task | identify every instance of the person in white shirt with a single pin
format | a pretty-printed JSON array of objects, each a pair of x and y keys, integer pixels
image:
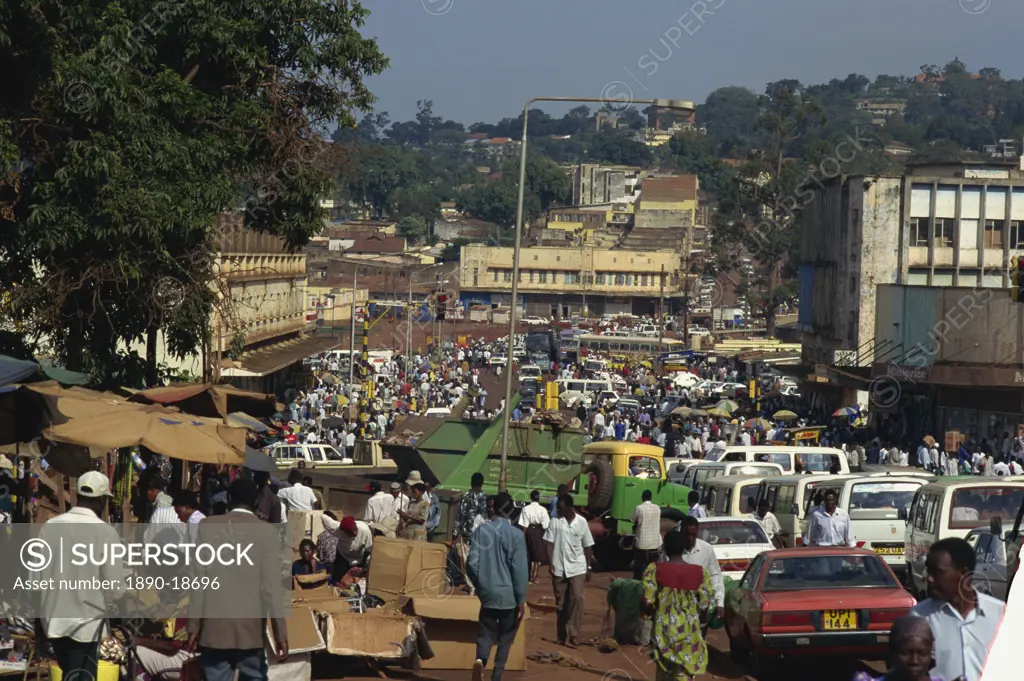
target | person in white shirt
[
  {"x": 964, "y": 622},
  {"x": 571, "y": 556},
  {"x": 923, "y": 457},
  {"x": 745, "y": 438},
  {"x": 355, "y": 541},
  {"x": 829, "y": 525},
  {"x": 1016, "y": 468},
  {"x": 380, "y": 513},
  {"x": 401, "y": 500},
  {"x": 298, "y": 497},
  {"x": 769, "y": 522},
  {"x": 534, "y": 519},
  {"x": 76, "y": 640},
  {"x": 647, "y": 530},
  {"x": 696, "y": 510},
  {"x": 770, "y": 435},
  {"x": 350, "y": 442},
  {"x": 904, "y": 457},
  {"x": 1000, "y": 467},
  {"x": 699, "y": 552},
  {"x": 163, "y": 518}
]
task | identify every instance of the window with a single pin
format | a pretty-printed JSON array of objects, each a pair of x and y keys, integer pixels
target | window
[
  {"x": 600, "y": 279},
  {"x": 636, "y": 280},
  {"x": 1016, "y": 235},
  {"x": 476, "y": 276},
  {"x": 973, "y": 506},
  {"x": 531, "y": 276},
  {"x": 558, "y": 258},
  {"x": 508, "y": 275},
  {"x": 567, "y": 278},
  {"x": 543, "y": 277},
  {"x": 942, "y": 233},
  {"x": 784, "y": 499},
  {"x": 881, "y": 500},
  {"x": 620, "y": 279},
  {"x": 918, "y": 232},
  {"x": 495, "y": 275},
  {"x": 643, "y": 280},
  {"x": 995, "y": 233}
]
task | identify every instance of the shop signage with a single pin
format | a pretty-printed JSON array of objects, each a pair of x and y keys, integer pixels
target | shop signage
[{"x": 906, "y": 373}]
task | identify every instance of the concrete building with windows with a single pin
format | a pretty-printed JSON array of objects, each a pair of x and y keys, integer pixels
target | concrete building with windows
[
  {"x": 939, "y": 225},
  {"x": 563, "y": 281}
]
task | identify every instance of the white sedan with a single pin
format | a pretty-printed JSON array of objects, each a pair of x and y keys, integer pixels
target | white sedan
[{"x": 736, "y": 541}]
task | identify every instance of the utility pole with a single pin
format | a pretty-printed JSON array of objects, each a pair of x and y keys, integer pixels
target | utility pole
[
  {"x": 661, "y": 313},
  {"x": 408, "y": 328},
  {"x": 352, "y": 329}
]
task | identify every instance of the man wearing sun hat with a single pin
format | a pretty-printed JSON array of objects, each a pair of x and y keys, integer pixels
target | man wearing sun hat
[{"x": 77, "y": 626}]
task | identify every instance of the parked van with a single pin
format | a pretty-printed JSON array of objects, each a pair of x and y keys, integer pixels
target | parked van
[
  {"x": 310, "y": 455},
  {"x": 732, "y": 495},
  {"x": 878, "y": 506},
  {"x": 953, "y": 508},
  {"x": 791, "y": 498},
  {"x": 596, "y": 366},
  {"x": 696, "y": 477},
  {"x": 816, "y": 460}
]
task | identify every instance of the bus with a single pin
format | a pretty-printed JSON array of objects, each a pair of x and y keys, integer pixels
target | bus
[
  {"x": 542, "y": 348},
  {"x": 631, "y": 346}
]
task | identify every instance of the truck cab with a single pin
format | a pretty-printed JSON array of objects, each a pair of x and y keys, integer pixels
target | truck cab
[{"x": 619, "y": 472}]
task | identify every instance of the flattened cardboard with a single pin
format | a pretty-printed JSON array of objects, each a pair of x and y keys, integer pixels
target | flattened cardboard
[
  {"x": 303, "y": 633},
  {"x": 450, "y": 623},
  {"x": 402, "y": 567},
  {"x": 372, "y": 633}
]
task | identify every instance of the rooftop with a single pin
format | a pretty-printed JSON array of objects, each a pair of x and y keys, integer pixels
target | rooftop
[{"x": 669, "y": 189}]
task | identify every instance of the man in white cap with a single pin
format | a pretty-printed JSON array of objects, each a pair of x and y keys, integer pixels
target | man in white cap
[{"x": 76, "y": 618}]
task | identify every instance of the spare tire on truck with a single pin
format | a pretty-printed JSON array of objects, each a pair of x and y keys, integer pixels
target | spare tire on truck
[{"x": 601, "y": 486}]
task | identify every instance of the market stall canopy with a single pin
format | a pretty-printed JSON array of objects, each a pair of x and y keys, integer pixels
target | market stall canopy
[
  {"x": 240, "y": 418},
  {"x": 75, "y": 412},
  {"x": 14, "y": 370},
  {"x": 203, "y": 399},
  {"x": 172, "y": 434},
  {"x": 23, "y": 414}
]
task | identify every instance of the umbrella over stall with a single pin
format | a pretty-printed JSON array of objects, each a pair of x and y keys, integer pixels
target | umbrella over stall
[{"x": 209, "y": 400}]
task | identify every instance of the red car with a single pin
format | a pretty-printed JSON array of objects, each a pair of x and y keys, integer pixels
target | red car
[{"x": 814, "y": 602}]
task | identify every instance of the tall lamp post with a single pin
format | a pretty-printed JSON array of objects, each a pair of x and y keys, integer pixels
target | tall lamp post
[{"x": 669, "y": 104}]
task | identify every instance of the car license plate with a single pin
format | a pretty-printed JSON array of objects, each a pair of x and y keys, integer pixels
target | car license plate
[
  {"x": 840, "y": 620},
  {"x": 888, "y": 550}
]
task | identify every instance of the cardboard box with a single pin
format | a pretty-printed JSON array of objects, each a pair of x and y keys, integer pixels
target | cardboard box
[
  {"x": 373, "y": 633},
  {"x": 303, "y": 633},
  {"x": 450, "y": 623},
  {"x": 402, "y": 567}
]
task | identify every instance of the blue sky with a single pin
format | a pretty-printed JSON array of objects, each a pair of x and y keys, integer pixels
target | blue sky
[{"x": 480, "y": 60}]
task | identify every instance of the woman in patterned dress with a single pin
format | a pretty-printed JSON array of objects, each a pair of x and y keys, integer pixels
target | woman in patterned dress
[{"x": 676, "y": 594}]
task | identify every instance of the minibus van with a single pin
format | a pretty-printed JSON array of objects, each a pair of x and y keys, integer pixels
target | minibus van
[
  {"x": 695, "y": 477},
  {"x": 732, "y": 495},
  {"x": 791, "y": 498},
  {"x": 816, "y": 460},
  {"x": 952, "y": 508}
]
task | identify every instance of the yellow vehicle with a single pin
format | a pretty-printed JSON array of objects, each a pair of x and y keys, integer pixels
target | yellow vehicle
[{"x": 617, "y": 362}]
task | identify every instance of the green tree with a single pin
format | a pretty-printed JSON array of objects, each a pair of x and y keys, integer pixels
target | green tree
[
  {"x": 412, "y": 227},
  {"x": 127, "y": 128},
  {"x": 375, "y": 175},
  {"x": 730, "y": 116},
  {"x": 758, "y": 216}
]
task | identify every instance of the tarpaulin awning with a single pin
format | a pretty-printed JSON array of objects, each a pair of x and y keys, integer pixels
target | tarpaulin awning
[
  {"x": 105, "y": 420},
  {"x": 172, "y": 434},
  {"x": 62, "y": 375},
  {"x": 209, "y": 400},
  {"x": 245, "y": 421},
  {"x": 14, "y": 370},
  {"x": 272, "y": 359}
]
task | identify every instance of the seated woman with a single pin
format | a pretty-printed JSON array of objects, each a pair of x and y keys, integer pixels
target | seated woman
[{"x": 307, "y": 564}]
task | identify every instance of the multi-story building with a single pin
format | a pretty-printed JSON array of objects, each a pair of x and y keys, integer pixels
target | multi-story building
[
  {"x": 594, "y": 183},
  {"x": 667, "y": 202},
  {"x": 563, "y": 281},
  {"x": 940, "y": 225},
  {"x": 259, "y": 322}
]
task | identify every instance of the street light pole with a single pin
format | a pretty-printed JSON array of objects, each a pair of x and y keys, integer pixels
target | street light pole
[
  {"x": 352, "y": 329},
  {"x": 676, "y": 104}
]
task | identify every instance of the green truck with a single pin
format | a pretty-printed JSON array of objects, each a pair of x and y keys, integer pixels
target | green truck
[{"x": 606, "y": 479}]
